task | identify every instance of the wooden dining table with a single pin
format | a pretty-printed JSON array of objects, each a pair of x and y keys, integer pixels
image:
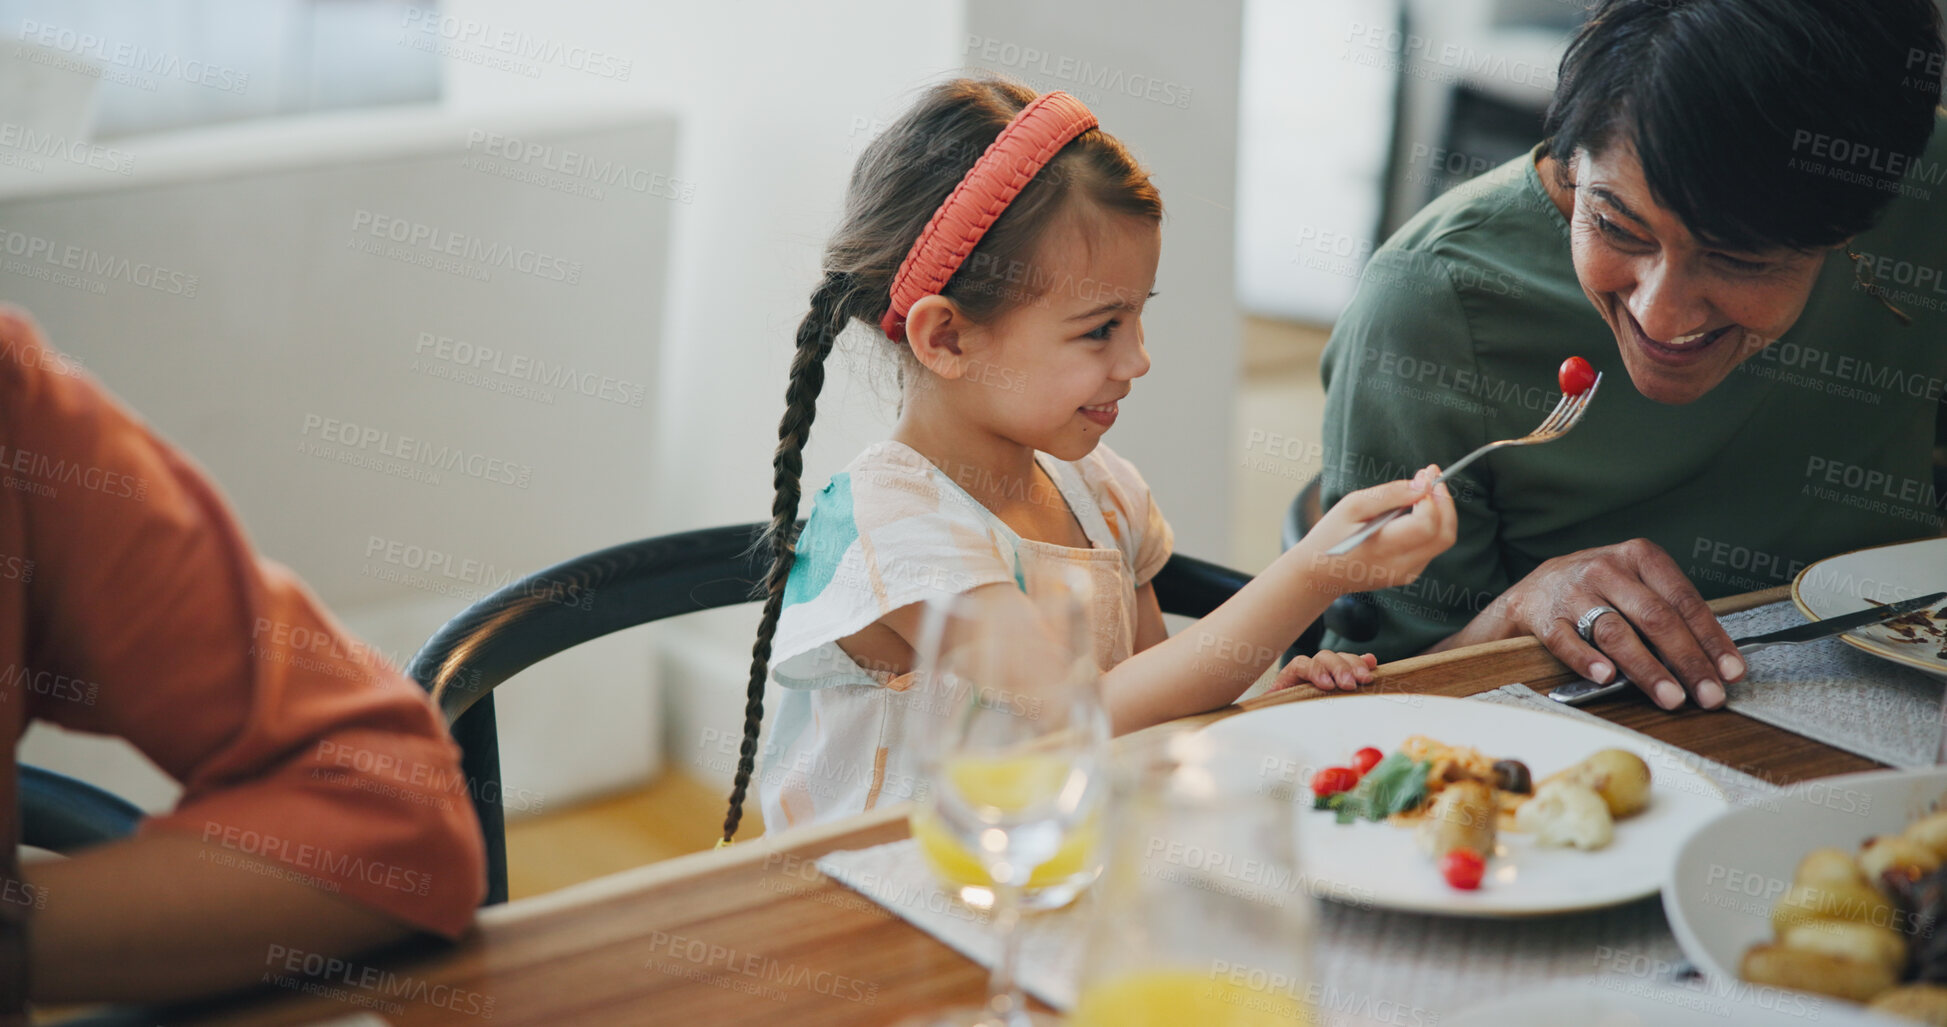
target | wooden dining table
[{"x": 755, "y": 934}]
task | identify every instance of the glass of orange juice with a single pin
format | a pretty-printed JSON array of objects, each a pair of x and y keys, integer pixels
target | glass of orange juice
[
  {"x": 1053, "y": 884},
  {"x": 1201, "y": 916},
  {"x": 1015, "y": 756}
]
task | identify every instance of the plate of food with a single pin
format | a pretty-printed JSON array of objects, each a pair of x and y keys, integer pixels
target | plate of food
[
  {"x": 1865, "y": 578},
  {"x": 1470, "y": 808},
  {"x": 1836, "y": 887}
]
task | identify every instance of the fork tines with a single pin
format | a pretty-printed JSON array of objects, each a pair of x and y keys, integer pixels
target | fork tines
[{"x": 1569, "y": 410}]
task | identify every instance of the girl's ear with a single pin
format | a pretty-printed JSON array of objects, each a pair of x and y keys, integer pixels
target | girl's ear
[{"x": 937, "y": 333}]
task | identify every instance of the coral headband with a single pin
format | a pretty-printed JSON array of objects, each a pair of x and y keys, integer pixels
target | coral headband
[{"x": 1022, "y": 149}]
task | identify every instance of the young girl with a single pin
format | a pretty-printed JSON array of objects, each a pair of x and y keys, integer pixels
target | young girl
[{"x": 1006, "y": 247}]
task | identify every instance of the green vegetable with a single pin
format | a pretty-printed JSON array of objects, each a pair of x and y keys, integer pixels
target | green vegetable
[{"x": 1394, "y": 785}]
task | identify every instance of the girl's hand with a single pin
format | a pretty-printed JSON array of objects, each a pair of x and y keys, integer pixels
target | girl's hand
[
  {"x": 1327, "y": 671},
  {"x": 1398, "y": 552}
]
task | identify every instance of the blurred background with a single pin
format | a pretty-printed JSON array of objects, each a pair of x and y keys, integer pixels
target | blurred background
[{"x": 572, "y": 242}]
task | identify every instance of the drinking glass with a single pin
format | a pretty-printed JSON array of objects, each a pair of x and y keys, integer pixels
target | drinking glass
[
  {"x": 1015, "y": 762},
  {"x": 1201, "y": 916}
]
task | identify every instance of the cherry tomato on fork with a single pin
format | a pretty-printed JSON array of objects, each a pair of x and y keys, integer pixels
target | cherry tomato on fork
[
  {"x": 1333, "y": 780},
  {"x": 1463, "y": 869},
  {"x": 1575, "y": 376},
  {"x": 1365, "y": 759}
]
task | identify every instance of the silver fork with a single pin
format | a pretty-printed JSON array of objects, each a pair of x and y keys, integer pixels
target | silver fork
[{"x": 1554, "y": 426}]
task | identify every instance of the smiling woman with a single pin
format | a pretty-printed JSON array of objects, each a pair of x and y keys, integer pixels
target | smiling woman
[
  {"x": 1736, "y": 208},
  {"x": 1698, "y": 230},
  {"x": 1684, "y": 312}
]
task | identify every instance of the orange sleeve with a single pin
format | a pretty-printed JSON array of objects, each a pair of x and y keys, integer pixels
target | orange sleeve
[{"x": 149, "y": 617}]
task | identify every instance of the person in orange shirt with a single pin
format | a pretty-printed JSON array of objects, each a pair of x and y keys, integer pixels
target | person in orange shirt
[{"x": 323, "y": 809}]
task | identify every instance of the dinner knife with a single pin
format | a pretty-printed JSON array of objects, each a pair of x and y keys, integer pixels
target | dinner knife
[{"x": 1575, "y": 693}]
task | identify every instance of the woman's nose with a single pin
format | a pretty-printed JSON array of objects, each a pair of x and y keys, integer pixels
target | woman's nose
[{"x": 1668, "y": 303}]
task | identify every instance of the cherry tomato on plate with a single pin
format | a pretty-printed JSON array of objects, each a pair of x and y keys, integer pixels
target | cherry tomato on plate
[
  {"x": 1575, "y": 376},
  {"x": 1365, "y": 759},
  {"x": 1463, "y": 869},
  {"x": 1333, "y": 780}
]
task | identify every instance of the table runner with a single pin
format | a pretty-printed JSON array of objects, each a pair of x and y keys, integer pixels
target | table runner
[
  {"x": 1814, "y": 689},
  {"x": 1371, "y": 966}
]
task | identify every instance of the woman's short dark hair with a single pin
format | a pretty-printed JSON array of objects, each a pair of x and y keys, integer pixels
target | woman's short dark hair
[{"x": 1759, "y": 123}]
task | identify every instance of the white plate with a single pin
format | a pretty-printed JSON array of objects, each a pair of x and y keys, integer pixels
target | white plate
[
  {"x": 1727, "y": 875},
  {"x": 1842, "y": 584},
  {"x": 1621, "y": 1001},
  {"x": 1370, "y": 864}
]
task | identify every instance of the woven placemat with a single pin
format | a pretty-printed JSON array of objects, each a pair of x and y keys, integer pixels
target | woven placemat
[
  {"x": 1830, "y": 692},
  {"x": 1370, "y": 966}
]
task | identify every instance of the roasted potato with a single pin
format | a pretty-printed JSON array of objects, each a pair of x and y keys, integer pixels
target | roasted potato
[
  {"x": 1806, "y": 970},
  {"x": 1857, "y": 903},
  {"x": 1461, "y": 817},
  {"x": 1619, "y": 776},
  {"x": 1930, "y": 831},
  {"x": 1898, "y": 854},
  {"x": 1829, "y": 867},
  {"x": 1924, "y": 1003},
  {"x": 1566, "y": 813},
  {"x": 1849, "y": 940},
  {"x": 1838, "y": 933}
]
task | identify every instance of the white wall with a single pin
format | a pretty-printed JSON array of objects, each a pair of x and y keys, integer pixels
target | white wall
[
  {"x": 775, "y": 100},
  {"x": 278, "y": 323},
  {"x": 1180, "y": 63},
  {"x": 1314, "y": 128}
]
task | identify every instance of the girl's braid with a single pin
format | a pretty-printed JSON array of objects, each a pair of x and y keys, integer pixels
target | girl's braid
[{"x": 816, "y": 334}]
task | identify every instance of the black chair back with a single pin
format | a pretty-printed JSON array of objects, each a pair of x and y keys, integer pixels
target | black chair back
[{"x": 65, "y": 815}]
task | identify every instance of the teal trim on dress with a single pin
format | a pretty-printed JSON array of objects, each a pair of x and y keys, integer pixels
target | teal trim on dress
[{"x": 827, "y": 536}]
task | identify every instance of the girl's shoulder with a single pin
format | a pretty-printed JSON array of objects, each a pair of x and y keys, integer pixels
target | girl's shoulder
[
  {"x": 889, "y": 530},
  {"x": 891, "y": 501},
  {"x": 890, "y": 481}
]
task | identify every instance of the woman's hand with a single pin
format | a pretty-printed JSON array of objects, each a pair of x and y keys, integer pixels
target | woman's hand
[
  {"x": 1327, "y": 671},
  {"x": 1656, "y": 608},
  {"x": 1393, "y": 556}
]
